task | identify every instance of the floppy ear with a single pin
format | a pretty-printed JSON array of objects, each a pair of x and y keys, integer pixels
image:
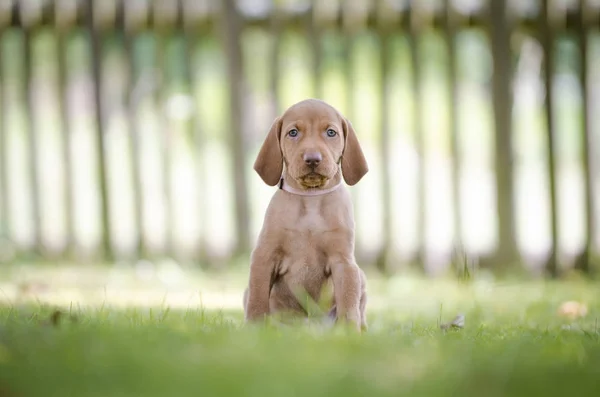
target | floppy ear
[
  {"x": 269, "y": 162},
  {"x": 354, "y": 164}
]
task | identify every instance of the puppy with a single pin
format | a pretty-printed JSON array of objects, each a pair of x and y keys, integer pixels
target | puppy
[{"x": 307, "y": 238}]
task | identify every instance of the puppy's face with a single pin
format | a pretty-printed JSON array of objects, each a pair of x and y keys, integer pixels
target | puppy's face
[{"x": 312, "y": 143}]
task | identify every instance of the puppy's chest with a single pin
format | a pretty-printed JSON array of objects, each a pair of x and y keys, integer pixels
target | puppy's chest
[
  {"x": 310, "y": 223},
  {"x": 311, "y": 239},
  {"x": 310, "y": 220}
]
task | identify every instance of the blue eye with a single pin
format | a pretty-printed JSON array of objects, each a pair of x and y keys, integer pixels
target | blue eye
[
  {"x": 293, "y": 133},
  {"x": 331, "y": 133}
]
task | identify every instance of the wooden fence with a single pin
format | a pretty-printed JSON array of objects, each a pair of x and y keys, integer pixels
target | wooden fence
[{"x": 128, "y": 128}]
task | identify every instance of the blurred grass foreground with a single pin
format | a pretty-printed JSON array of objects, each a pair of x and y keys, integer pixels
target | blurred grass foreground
[
  {"x": 112, "y": 332},
  {"x": 128, "y": 203}
]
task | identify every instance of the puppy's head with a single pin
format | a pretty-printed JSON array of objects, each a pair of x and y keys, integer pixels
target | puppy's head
[{"x": 314, "y": 142}]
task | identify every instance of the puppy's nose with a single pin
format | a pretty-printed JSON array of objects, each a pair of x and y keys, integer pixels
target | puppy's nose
[{"x": 312, "y": 159}]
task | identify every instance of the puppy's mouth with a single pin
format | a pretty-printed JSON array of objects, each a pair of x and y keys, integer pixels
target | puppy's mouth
[{"x": 313, "y": 180}]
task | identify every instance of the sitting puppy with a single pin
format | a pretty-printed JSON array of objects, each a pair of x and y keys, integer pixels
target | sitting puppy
[{"x": 307, "y": 238}]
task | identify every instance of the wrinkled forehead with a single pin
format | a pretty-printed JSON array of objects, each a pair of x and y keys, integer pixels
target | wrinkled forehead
[{"x": 307, "y": 114}]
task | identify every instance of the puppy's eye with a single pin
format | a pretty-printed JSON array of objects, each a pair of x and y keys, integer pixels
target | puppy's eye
[
  {"x": 331, "y": 133},
  {"x": 293, "y": 133}
]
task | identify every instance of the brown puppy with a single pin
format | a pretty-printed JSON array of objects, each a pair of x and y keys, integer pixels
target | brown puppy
[{"x": 307, "y": 237}]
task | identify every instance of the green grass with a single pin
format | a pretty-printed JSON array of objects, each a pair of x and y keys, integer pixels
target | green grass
[{"x": 513, "y": 344}]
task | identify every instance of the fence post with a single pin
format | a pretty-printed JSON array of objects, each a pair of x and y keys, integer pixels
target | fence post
[
  {"x": 502, "y": 102},
  {"x": 162, "y": 32},
  {"x": 419, "y": 131},
  {"x": 31, "y": 130},
  {"x": 547, "y": 40},
  {"x": 274, "y": 65},
  {"x": 100, "y": 129},
  {"x": 583, "y": 261},
  {"x": 185, "y": 15},
  {"x": 232, "y": 31},
  {"x": 450, "y": 36},
  {"x": 63, "y": 104},
  {"x": 385, "y": 89},
  {"x": 314, "y": 29},
  {"x": 4, "y": 194},
  {"x": 128, "y": 27}
]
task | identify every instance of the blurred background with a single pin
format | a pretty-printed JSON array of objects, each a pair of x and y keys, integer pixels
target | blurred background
[{"x": 128, "y": 128}]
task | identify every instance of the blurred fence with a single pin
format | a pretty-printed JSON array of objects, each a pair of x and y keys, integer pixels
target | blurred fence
[{"x": 129, "y": 128}]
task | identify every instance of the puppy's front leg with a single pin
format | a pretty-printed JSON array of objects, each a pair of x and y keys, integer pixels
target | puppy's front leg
[
  {"x": 347, "y": 291},
  {"x": 256, "y": 300}
]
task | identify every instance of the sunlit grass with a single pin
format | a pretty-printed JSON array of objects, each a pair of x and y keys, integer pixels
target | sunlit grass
[{"x": 513, "y": 343}]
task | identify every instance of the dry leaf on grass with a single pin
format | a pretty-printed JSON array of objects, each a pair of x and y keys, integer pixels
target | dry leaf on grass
[
  {"x": 572, "y": 310},
  {"x": 457, "y": 323}
]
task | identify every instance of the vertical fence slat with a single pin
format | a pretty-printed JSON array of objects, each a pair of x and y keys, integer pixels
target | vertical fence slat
[
  {"x": 453, "y": 100},
  {"x": 192, "y": 126},
  {"x": 194, "y": 34},
  {"x": 317, "y": 52},
  {"x": 547, "y": 40},
  {"x": 233, "y": 23},
  {"x": 583, "y": 261},
  {"x": 99, "y": 129},
  {"x": 385, "y": 148},
  {"x": 4, "y": 190},
  {"x": 349, "y": 43},
  {"x": 132, "y": 101},
  {"x": 31, "y": 131},
  {"x": 65, "y": 122},
  {"x": 274, "y": 65},
  {"x": 502, "y": 104},
  {"x": 161, "y": 34},
  {"x": 419, "y": 131}
]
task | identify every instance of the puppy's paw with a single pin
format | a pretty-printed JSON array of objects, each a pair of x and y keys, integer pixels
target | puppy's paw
[{"x": 350, "y": 320}]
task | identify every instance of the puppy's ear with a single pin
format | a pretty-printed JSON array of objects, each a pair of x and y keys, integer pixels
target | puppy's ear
[
  {"x": 269, "y": 162},
  {"x": 354, "y": 164}
]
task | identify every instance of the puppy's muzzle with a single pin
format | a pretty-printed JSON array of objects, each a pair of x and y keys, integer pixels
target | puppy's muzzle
[{"x": 312, "y": 159}]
